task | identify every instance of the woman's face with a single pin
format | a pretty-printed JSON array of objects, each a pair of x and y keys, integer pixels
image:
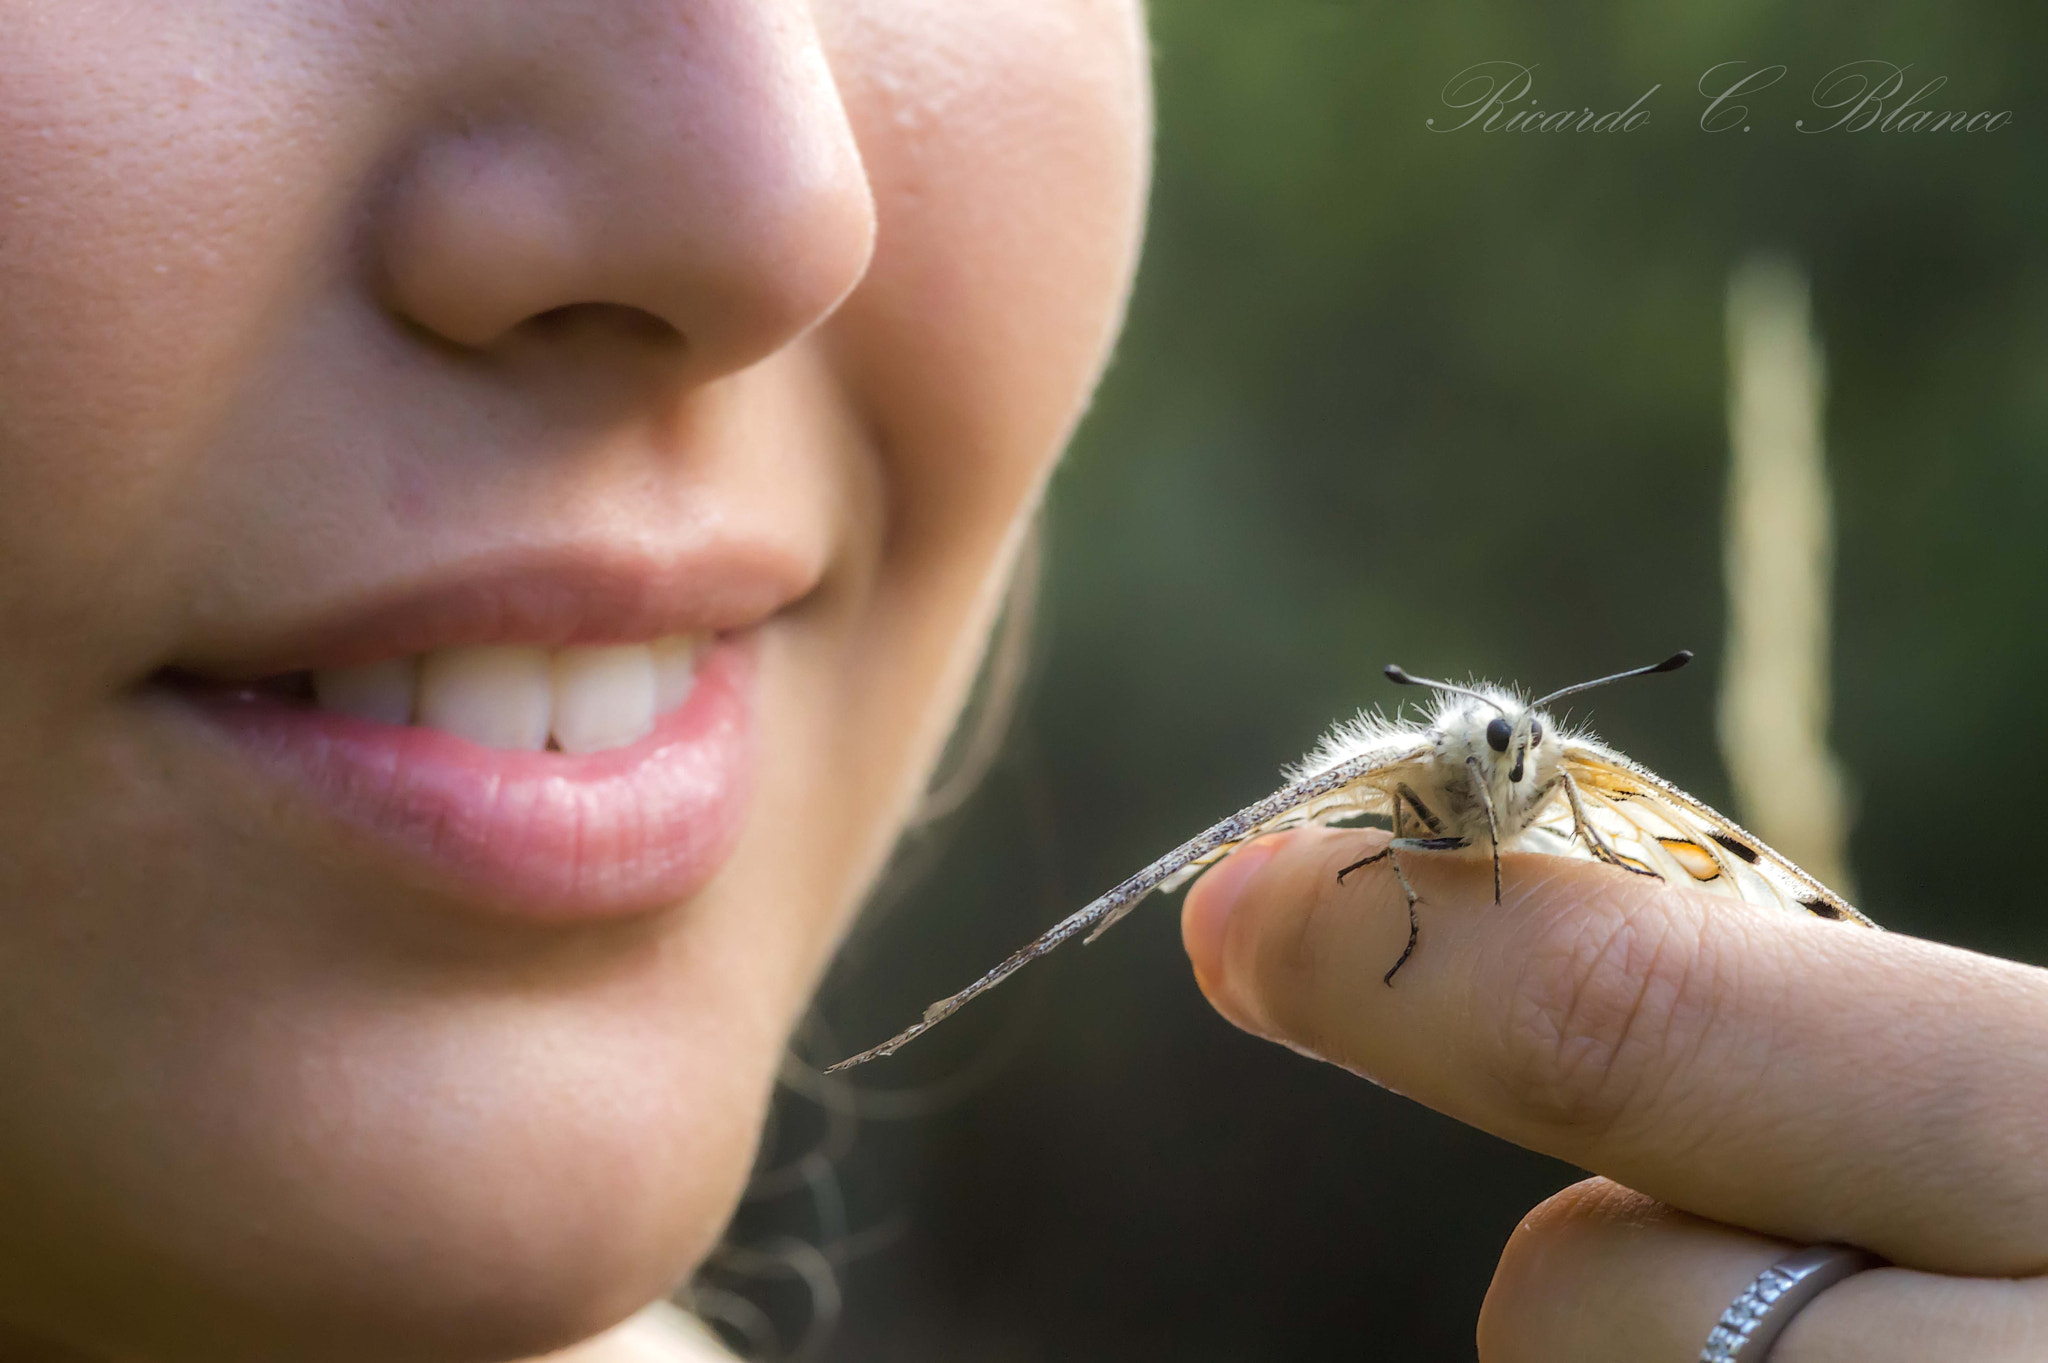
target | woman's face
[{"x": 358, "y": 359}]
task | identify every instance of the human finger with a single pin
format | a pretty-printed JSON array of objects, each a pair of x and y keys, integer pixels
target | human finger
[
  {"x": 1806, "y": 1078},
  {"x": 1602, "y": 1274}
]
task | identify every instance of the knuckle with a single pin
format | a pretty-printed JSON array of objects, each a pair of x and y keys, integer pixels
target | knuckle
[
  {"x": 1605, "y": 1000},
  {"x": 1579, "y": 1280},
  {"x": 1534, "y": 1297}
]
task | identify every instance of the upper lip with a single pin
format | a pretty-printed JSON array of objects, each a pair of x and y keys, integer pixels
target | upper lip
[{"x": 551, "y": 596}]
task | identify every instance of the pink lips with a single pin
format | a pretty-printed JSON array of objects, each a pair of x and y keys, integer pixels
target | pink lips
[{"x": 540, "y": 836}]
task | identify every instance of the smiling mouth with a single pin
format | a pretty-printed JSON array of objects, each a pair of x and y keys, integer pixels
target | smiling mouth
[
  {"x": 575, "y": 784},
  {"x": 584, "y": 698},
  {"x": 561, "y": 735}
]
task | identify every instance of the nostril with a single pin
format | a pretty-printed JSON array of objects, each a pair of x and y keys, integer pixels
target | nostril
[{"x": 635, "y": 323}]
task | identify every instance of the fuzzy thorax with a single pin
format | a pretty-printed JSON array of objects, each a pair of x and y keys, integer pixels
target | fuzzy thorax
[{"x": 1483, "y": 735}]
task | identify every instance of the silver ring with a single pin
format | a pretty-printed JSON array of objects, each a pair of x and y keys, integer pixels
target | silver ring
[{"x": 1761, "y": 1311}]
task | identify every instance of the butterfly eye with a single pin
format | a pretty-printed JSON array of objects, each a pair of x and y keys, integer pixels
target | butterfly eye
[
  {"x": 1535, "y": 732},
  {"x": 1497, "y": 735}
]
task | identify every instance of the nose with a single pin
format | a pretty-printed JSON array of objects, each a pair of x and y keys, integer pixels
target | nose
[{"x": 682, "y": 168}]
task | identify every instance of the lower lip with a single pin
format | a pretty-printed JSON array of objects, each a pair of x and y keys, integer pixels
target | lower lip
[{"x": 541, "y": 836}]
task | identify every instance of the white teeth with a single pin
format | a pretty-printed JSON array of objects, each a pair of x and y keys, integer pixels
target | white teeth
[
  {"x": 379, "y": 691},
  {"x": 604, "y": 697},
  {"x": 497, "y": 695},
  {"x": 588, "y": 698},
  {"x": 675, "y": 670}
]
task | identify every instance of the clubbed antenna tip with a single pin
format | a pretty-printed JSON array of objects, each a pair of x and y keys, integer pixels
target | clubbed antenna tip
[
  {"x": 1670, "y": 664},
  {"x": 1399, "y": 677}
]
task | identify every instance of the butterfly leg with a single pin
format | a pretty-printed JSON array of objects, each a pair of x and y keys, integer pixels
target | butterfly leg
[
  {"x": 1436, "y": 844},
  {"x": 1429, "y": 820},
  {"x": 1414, "y": 925},
  {"x": 1387, "y": 854},
  {"x": 1594, "y": 839},
  {"x": 1386, "y": 851},
  {"x": 1492, "y": 828}
]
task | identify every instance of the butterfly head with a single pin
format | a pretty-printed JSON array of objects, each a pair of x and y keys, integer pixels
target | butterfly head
[
  {"x": 1511, "y": 738},
  {"x": 1494, "y": 729},
  {"x": 1519, "y": 735}
]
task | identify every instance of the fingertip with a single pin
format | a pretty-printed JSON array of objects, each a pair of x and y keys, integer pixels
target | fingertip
[{"x": 1205, "y": 916}]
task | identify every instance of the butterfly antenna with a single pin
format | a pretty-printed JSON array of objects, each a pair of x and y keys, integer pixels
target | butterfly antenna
[
  {"x": 1400, "y": 677},
  {"x": 1670, "y": 664}
]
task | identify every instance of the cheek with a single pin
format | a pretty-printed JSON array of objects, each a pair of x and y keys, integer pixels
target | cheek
[
  {"x": 1008, "y": 148},
  {"x": 156, "y": 205}
]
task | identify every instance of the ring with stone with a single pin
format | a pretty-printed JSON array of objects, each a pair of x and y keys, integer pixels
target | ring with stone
[{"x": 1762, "y": 1310}]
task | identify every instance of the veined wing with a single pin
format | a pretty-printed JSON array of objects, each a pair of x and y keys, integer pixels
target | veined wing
[
  {"x": 1660, "y": 828},
  {"x": 1356, "y": 786}
]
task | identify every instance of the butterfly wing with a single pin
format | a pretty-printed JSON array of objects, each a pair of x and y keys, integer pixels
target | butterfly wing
[
  {"x": 1367, "y": 790},
  {"x": 1657, "y": 827},
  {"x": 1355, "y": 784}
]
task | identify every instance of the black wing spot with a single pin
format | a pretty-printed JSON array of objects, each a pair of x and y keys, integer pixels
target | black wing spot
[
  {"x": 1823, "y": 909},
  {"x": 1737, "y": 846}
]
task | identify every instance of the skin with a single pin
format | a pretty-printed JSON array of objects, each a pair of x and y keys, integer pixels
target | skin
[
  {"x": 306, "y": 296},
  {"x": 1745, "y": 1082}
]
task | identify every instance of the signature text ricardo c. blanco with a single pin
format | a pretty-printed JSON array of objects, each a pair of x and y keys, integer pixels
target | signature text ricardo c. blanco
[{"x": 1859, "y": 96}]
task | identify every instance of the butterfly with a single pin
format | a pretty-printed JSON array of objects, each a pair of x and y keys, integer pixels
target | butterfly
[{"x": 1484, "y": 770}]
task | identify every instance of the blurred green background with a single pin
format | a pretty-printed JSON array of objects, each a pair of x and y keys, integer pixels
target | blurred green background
[{"x": 1455, "y": 400}]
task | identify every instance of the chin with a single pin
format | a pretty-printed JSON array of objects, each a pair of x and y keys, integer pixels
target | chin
[
  {"x": 512, "y": 1278},
  {"x": 479, "y": 1189}
]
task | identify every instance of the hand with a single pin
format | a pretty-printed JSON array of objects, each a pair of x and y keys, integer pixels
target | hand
[{"x": 1761, "y": 1081}]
